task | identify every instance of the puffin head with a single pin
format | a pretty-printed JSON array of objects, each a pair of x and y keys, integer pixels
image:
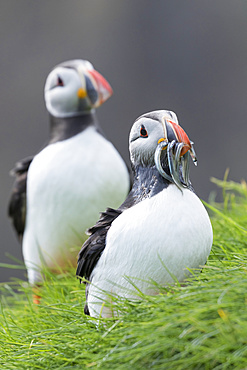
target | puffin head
[
  {"x": 156, "y": 139},
  {"x": 74, "y": 87}
]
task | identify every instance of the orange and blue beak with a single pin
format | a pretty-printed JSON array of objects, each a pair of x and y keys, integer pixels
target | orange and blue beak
[
  {"x": 102, "y": 87},
  {"x": 94, "y": 89}
]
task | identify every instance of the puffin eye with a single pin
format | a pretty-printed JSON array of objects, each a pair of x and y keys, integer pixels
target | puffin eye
[
  {"x": 59, "y": 81},
  {"x": 143, "y": 131}
]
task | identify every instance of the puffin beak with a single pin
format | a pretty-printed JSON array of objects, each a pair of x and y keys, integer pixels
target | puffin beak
[
  {"x": 181, "y": 136},
  {"x": 178, "y": 146},
  {"x": 102, "y": 86}
]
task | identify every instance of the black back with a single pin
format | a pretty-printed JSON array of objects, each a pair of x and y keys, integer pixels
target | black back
[{"x": 17, "y": 203}]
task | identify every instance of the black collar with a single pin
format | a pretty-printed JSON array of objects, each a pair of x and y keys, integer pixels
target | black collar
[
  {"x": 63, "y": 128},
  {"x": 147, "y": 183}
]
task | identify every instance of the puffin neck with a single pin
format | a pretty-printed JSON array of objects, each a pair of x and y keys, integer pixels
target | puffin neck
[
  {"x": 147, "y": 183},
  {"x": 63, "y": 128}
]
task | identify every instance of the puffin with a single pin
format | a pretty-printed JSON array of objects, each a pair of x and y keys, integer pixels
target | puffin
[
  {"x": 161, "y": 233},
  {"x": 59, "y": 193}
]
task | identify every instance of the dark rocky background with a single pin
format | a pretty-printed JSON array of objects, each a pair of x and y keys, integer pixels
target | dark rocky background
[{"x": 187, "y": 56}]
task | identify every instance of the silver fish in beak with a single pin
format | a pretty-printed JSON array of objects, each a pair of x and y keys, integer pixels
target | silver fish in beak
[{"x": 178, "y": 148}]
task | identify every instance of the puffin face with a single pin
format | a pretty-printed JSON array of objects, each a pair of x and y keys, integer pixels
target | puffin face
[
  {"x": 143, "y": 140},
  {"x": 157, "y": 139},
  {"x": 146, "y": 131},
  {"x": 75, "y": 87}
]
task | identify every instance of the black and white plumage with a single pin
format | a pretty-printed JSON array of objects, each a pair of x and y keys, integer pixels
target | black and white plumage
[
  {"x": 161, "y": 223},
  {"x": 58, "y": 194}
]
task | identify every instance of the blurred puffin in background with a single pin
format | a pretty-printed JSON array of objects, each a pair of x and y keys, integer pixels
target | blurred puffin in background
[
  {"x": 159, "y": 233},
  {"x": 58, "y": 193}
]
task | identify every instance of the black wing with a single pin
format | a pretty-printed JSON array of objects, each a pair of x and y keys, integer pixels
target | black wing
[
  {"x": 95, "y": 244},
  {"x": 17, "y": 203}
]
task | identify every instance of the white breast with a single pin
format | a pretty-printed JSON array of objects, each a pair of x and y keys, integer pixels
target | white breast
[
  {"x": 68, "y": 184},
  {"x": 158, "y": 239}
]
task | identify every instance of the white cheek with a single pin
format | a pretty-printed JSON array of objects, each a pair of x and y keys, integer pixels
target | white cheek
[
  {"x": 142, "y": 151},
  {"x": 143, "y": 148},
  {"x": 62, "y": 101}
]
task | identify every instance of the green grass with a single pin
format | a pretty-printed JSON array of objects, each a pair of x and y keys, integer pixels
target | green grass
[{"x": 199, "y": 326}]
